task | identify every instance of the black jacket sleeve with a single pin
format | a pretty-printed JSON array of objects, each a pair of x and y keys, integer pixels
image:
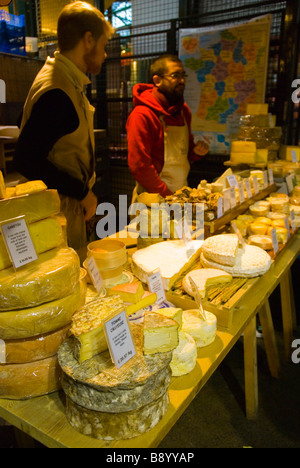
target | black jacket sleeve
[{"x": 52, "y": 117}]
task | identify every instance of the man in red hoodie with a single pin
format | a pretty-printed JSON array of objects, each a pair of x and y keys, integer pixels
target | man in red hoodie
[{"x": 160, "y": 142}]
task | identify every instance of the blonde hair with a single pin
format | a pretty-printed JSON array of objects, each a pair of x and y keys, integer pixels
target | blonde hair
[{"x": 75, "y": 20}]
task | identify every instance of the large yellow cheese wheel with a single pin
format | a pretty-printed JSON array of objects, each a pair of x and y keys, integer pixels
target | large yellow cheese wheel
[
  {"x": 53, "y": 276},
  {"x": 46, "y": 234},
  {"x": 23, "y": 381},
  {"x": 44, "y": 318},
  {"x": 35, "y": 206},
  {"x": 34, "y": 348}
]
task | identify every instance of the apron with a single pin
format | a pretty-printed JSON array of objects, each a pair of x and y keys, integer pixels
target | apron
[{"x": 176, "y": 164}]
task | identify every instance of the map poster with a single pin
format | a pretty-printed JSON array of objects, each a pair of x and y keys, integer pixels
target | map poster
[{"x": 226, "y": 68}]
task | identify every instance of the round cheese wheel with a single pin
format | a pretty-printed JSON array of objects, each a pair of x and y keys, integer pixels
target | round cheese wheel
[
  {"x": 35, "y": 348},
  {"x": 184, "y": 357},
  {"x": 16, "y": 324},
  {"x": 23, "y": 381},
  {"x": 264, "y": 242},
  {"x": 54, "y": 275},
  {"x": 203, "y": 331}
]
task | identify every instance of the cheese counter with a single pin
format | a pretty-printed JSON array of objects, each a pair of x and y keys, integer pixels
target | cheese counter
[{"x": 44, "y": 419}]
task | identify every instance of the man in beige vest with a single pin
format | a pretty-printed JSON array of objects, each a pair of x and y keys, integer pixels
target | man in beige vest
[{"x": 56, "y": 142}]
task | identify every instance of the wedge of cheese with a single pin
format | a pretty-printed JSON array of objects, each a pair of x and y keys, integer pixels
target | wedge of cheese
[
  {"x": 2, "y": 186},
  {"x": 184, "y": 357},
  {"x": 46, "y": 234},
  {"x": 88, "y": 326},
  {"x": 30, "y": 187},
  {"x": 203, "y": 331},
  {"x": 148, "y": 299},
  {"x": 129, "y": 292},
  {"x": 249, "y": 263},
  {"x": 35, "y": 207},
  {"x": 160, "y": 333},
  {"x": 222, "y": 248},
  {"x": 54, "y": 275},
  {"x": 204, "y": 278},
  {"x": 45, "y": 318},
  {"x": 173, "y": 313},
  {"x": 172, "y": 258},
  {"x": 23, "y": 381}
]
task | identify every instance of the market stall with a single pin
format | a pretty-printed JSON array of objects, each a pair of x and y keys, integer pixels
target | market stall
[{"x": 67, "y": 379}]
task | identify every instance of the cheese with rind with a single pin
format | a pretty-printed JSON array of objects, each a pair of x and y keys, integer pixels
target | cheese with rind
[
  {"x": 98, "y": 385},
  {"x": 116, "y": 426},
  {"x": 172, "y": 258},
  {"x": 23, "y": 381},
  {"x": 88, "y": 326},
  {"x": 250, "y": 262},
  {"x": 46, "y": 234},
  {"x": 129, "y": 292},
  {"x": 160, "y": 333},
  {"x": 35, "y": 207},
  {"x": 54, "y": 275},
  {"x": 184, "y": 357},
  {"x": 35, "y": 348},
  {"x": 204, "y": 278},
  {"x": 222, "y": 248},
  {"x": 45, "y": 318},
  {"x": 203, "y": 331},
  {"x": 33, "y": 186}
]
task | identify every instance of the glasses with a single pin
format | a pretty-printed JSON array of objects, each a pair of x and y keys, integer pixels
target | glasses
[{"x": 176, "y": 76}]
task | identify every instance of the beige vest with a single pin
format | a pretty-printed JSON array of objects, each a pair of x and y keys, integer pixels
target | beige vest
[{"x": 73, "y": 153}]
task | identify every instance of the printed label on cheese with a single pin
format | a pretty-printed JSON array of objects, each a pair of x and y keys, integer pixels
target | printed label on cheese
[
  {"x": 119, "y": 339},
  {"x": 19, "y": 242}
]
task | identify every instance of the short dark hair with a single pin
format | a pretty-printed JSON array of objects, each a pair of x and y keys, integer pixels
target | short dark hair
[
  {"x": 75, "y": 20},
  {"x": 159, "y": 66}
]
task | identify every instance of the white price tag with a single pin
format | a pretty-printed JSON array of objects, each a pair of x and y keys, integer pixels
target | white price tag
[
  {"x": 293, "y": 221},
  {"x": 241, "y": 192},
  {"x": 290, "y": 182},
  {"x": 220, "y": 208},
  {"x": 287, "y": 226},
  {"x": 233, "y": 201},
  {"x": 94, "y": 274},
  {"x": 156, "y": 285},
  {"x": 227, "y": 200},
  {"x": 119, "y": 339},
  {"x": 255, "y": 185},
  {"x": 271, "y": 177},
  {"x": 248, "y": 188},
  {"x": 294, "y": 156},
  {"x": 266, "y": 182},
  {"x": 232, "y": 180},
  {"x": 274, "y": 240},
  {"x": 2, "y": 352},
  {"x": 18, "y": 242}
]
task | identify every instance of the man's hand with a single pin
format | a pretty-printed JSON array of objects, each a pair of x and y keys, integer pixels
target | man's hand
[{"x": 89, "y": 205}]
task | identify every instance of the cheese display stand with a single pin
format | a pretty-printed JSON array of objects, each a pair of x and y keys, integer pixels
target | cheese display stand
[{"x": 115, "y": 364}]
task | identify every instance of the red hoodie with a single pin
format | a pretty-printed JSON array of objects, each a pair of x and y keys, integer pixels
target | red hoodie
[{"x": 146, "y": 139}]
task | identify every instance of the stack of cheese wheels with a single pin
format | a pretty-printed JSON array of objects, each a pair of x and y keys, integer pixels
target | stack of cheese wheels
[
  {"x": 110, "y": 403},
  {"x": 37, "y": 300}
]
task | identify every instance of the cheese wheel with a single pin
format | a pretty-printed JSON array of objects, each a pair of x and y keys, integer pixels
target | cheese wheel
[
  {"x": 46, "y": 234},
  {"x": 116, "y": 426},
  {"x": 203, "y": 331},
  {"x": 222, "y": 248},
  {"x": 35, "y": 207},
  {"x": 203, "y": 278},
  {"x": 54, "y": 275},
  {"x": 23, "y": 381},
  {"x": 35, "y": 348},
  {"x": 42, "y": 319}
]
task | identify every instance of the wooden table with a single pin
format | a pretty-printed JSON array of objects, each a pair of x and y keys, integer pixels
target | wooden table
[{"x": 43, "y": 418}]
